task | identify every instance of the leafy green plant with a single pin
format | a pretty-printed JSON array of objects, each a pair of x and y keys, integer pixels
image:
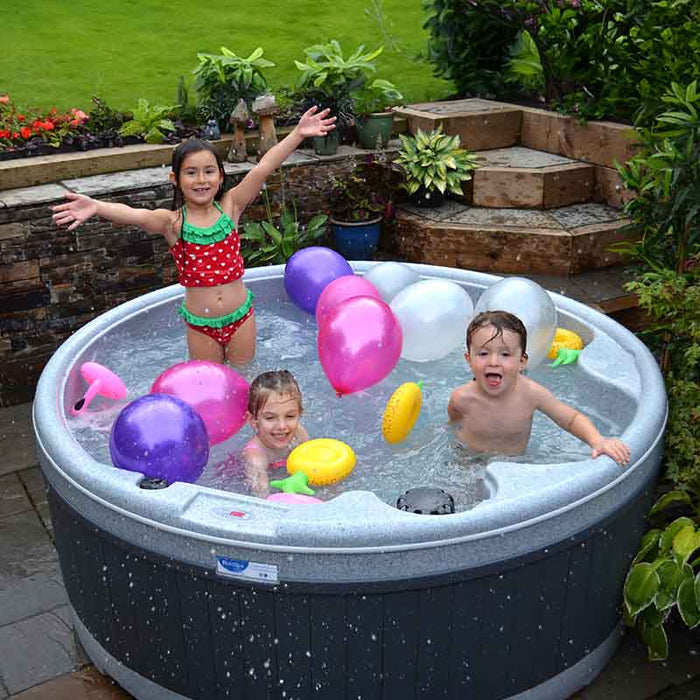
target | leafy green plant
[
  {"x": 469, "y": 46},
  {"x": 265, "y": 243},
  {"x": 222, "y": 79},
  {"x": 366, "y": 191},
  {"x": 598, "y": 58},
  {"x": 665, "y": 212},
  {"x": 375, "y": 97},
  {"x": 524, "y": 66},
  {"x": 672, "y": 303},
  {"x": 187, "y": 110},
  {"x": 149, "y": 121},
  {"x": 327, "y": 71},
  {"x": 665, "y": 573},
  {"x": 434, "y": 161}
]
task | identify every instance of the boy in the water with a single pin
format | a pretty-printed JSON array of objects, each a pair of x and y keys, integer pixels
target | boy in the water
[{"x": 495, "y": 410}]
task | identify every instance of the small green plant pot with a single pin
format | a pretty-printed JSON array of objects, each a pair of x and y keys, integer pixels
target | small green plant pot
[
  {"x": 327, "y": 145},
  {"x": 356, "y": 240},
  {"x": 374, "y": 130}
]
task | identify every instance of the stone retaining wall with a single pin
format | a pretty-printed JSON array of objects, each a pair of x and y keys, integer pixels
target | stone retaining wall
[{"x": 53, "y": 281}]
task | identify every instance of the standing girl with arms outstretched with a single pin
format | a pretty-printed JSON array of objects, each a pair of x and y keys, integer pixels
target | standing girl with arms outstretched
[{"x": 202, "y": 234}]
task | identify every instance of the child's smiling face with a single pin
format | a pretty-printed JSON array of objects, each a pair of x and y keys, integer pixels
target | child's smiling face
[
  {"x": 496, "y": 359},
  {"x": 199, "y": 177},
  {"x": 277, "y": 421}
]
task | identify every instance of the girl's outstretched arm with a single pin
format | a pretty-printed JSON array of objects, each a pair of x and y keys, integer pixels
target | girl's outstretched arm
[
  {"x": 239, "y": 197},
  {"x": 80, "y": 208}
]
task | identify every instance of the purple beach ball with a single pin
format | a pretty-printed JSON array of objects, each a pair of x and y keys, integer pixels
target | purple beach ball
[{"x": 162, "y": 437}]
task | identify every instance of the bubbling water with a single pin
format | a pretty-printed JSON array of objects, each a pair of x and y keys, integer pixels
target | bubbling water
[{"x": 287, "y": 340}]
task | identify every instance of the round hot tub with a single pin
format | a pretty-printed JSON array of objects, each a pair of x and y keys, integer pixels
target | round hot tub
[{"x": 194, "y": 592}]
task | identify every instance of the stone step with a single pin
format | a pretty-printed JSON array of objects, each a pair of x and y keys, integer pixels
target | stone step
[
  {"x": 561, "y": 241},
  {"x": 486, "y": 126},
  {"x": 524, "y": 178}
]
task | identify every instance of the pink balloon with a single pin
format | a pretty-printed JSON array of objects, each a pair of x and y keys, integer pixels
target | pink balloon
[
  {"x": 218, "y": 394},
  {"x": 292, "y": 498},
  {"x": 343, "y": 288},
  {"x": 359, "y": 343}
]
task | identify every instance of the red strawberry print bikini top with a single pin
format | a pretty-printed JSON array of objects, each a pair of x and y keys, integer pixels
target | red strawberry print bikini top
[{"x": 206, "y": 257}]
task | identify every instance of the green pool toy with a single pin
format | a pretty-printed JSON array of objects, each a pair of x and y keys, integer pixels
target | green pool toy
[
  {"x": 566, "y": 356},
  {"x": 297, "y": 483}
]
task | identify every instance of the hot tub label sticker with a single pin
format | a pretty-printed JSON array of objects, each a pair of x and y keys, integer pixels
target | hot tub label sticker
[{"x": 249, "y": 570}]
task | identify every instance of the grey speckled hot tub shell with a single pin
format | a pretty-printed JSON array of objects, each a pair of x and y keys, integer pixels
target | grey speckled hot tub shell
[{"x": 356, "y": 539}]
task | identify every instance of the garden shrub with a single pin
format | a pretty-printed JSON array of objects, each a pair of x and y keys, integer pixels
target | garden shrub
[
  {"x": 665, "y": 215},
  {"x": 469, "y": 45},
  {"x": 598, "y": 58}
]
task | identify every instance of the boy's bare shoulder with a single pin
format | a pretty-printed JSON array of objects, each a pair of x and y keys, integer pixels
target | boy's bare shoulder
[{"x": 532, "y": 388}]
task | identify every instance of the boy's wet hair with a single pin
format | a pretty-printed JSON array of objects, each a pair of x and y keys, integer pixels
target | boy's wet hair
[
  {"x": 501, "y": 321},
  {"x": 266, "y": 384},
  {"x": 185, "y": 149}
]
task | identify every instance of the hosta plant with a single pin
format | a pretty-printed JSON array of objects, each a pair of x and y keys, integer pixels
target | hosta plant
[
  {"x": 665, "y": 574},
  {"x": 435, "y": 162}
]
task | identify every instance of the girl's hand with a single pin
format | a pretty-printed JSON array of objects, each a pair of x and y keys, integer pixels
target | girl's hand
[
  {"x": 74, "y": 212},
  {"x": 313, "y": 124},
  {"x": 613, "y": 448}
]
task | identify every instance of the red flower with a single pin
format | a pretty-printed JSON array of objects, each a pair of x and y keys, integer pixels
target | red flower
[
  {"x": 21, "y": 117},
  {"x": 15, "y": 134},
  {"x": 4, "y": 134},
  {"x": 4, "y": 99},
  {"x": 26, "y": 132},
  {"x": 48, "y": 125}
]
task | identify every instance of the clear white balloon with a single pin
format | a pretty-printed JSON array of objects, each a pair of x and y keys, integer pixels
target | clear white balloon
[
  {"x": 389, "y": 278},
  {"x": 531, "y": 304},
  {"x": 433, "y": 315}
]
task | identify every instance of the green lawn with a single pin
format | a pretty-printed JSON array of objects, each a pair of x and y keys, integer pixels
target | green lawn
[{"x": 125, "y": 49}]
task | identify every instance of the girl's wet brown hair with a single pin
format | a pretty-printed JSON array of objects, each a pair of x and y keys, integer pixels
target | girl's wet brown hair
[
  {"x": 501, "y": 321},
  {"x": 266, "y": 384}
]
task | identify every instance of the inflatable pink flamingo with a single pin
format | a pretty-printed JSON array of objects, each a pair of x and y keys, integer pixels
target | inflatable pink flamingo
[{"x": 101, "y": 381}]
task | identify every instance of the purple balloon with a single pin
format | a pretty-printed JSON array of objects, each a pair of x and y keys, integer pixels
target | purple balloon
[
  {"x": 308, "y": 272},
  {"x": 162, "y": 437}
]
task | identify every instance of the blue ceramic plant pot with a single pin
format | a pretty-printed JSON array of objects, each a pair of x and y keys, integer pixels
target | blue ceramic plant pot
[{"x": 356, "y": 240}]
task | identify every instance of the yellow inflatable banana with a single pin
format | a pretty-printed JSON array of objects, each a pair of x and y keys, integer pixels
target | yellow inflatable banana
[
  {"x": 401, "y": 412},
  {"x": 564, "y": 338},
  {"x": 323, "y": 460}
]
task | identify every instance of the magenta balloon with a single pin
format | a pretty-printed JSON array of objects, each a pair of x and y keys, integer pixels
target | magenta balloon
[
  {"x": 359, "y": 343},
  {"x": 162, "y": 437},
  {"x": 218, "y": 393},
  {"x": 341, "y": 289},
  {"x": 307, "y": 273}
]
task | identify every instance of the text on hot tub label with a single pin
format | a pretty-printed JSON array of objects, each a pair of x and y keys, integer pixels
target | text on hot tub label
[{"x": 250, "y": 570}]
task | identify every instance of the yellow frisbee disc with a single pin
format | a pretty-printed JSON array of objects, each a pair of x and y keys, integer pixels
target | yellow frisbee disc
[{"x": 323, "y": 460}]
